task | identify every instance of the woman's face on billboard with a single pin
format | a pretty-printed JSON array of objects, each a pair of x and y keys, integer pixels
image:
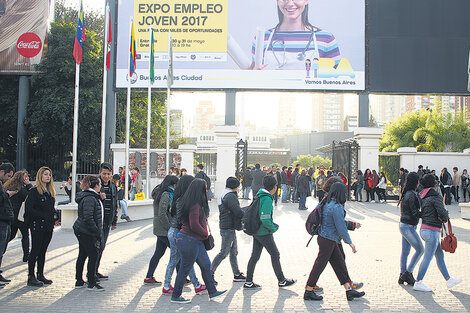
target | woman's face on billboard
[{"x": 292, "y": 9}]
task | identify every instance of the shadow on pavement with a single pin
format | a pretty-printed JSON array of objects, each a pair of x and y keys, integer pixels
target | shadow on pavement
[
  {"x": 283, "y": 295},
  {"x": 464, "y": 298},
  {"x": 426, "y": 300}
]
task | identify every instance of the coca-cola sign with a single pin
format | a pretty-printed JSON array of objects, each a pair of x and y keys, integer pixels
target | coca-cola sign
[{"x": 29, "y": 45}]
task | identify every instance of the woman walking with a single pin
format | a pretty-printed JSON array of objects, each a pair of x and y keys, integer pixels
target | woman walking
[
  {"x": 21, "y": 185},
  {"x": 359, "y": 187},
  {"x": 175, "y": 226},
  {"x": 162, "y": 197},
  {"x": 333, "y": 229},
  {"x": 381, "y": 188},
  {"x": 446, "y": 181},
  {"x": 410, "y": 214},
  {"x": 321, "y": 179},
  {"x": 190, "y": 241},
  {"x": 88, "y": 229},
  {"x": 40, "y": 217},
  {"x": 303, "y": 188},
  {"x": 465, "y": 181},
  {"x": 433, "y": 215}
]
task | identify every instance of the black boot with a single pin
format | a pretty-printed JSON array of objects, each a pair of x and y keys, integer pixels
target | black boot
[
  {"x": 351, "y": 294},
  {"x": 401, "y": 281},
  {"x": 25, "y": 257},
  {"x": 33, "y": 282},
  {"x": 311, "y": 295},
  {"x": 44, "y": 279},
  {"x": 408, "y": 278}
]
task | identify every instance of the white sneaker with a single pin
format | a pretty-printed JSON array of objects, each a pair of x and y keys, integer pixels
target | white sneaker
[
  {"x": 420, "y": 286},
  {"x": 382, "y": 201},
  {"x": 451, "y": 282}
]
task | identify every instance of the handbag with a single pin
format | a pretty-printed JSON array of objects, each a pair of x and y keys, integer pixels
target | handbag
[
  {"x": 140, "y": 196},
  {"x": 209, "y": 242},
  {"x": 449, "y": 242},
  {"x": 21, "y": 212}
]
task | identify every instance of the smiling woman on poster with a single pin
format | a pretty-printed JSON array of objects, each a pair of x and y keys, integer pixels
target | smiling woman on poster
[{"x": 293, "y": 40}]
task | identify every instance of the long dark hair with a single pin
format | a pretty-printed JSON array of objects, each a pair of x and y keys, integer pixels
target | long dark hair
[
  {"x": 196, "y": 194},
  {"x": 304, "y": 17},
  {"x": 382, "y": 174},
  {"x": 337, "y": 192},
  {"x": 367, "y": 172},
  {"x": 157, "y": 192},
  {"x": 411, "y": 182},
  {"x": 180, "y": 189}
]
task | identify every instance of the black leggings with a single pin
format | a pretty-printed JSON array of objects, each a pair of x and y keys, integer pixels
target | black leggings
[
  {"x": 88, "y": 246},
  {"x": 160, "y": 248},
  {"x": 24, "y": 235},
  {"x": 40, "y": 242}
]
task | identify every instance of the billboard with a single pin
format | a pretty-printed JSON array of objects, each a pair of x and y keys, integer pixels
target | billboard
[
  {"x": 23, "y": 29},
  {"x": 245, "y": 44}
]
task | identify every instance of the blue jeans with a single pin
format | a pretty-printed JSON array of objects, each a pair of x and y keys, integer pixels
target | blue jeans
[
  {"x": 284, "y": 192},
  {"x": 123, "y": 207},
  {"x": 432, "y": 248},
  {"x": 303, "y": 199},
  {"x": 294, "y": 195},
  {"x": 174, "y": 259},
  {"x": 133, "y": 192},
  {"x": 409, "y": 239},
  {"x": 5, "y": 229},
  {"x": 247, "y": 192},
  {"x": 192, "y": 250},
  {"x": 358, "y": 193}
]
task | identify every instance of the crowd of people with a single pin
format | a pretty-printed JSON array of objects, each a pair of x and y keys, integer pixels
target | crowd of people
[{"x": 180, "y": 222}]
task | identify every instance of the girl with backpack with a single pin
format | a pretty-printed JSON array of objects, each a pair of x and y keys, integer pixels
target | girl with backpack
[
  {"x": 410, "y": 214},
  {"x": 333, "y": 229}
]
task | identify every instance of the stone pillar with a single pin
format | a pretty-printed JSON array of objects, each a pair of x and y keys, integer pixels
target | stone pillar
[
  {"x": 363, "y": 112},
  {"x": 408, "y": 157},
  {"x": 226, "y": 139},
  {"x": 119, "y": 156},
  {"x": 368, "y": 140},
  {"x": 187, "y": 157}
]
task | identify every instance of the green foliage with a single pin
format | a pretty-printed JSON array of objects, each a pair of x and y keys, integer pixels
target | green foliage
[
  {"x": 427, "y": 130},
  {"x": 67, "y": 15},
  {"x": 307, "y": 161},
  {"x": 9, "y": 116},
  {"x": 390, "y": 165}
]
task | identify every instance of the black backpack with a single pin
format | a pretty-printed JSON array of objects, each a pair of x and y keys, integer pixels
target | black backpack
[
  {"x": 250, "y": 220},
  {"x": 313, "y": 223}
]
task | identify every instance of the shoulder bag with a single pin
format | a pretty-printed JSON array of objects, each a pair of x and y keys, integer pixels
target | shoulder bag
[
  {"x": 209, "y": 242},
  {"x": 449, "y": 242}
]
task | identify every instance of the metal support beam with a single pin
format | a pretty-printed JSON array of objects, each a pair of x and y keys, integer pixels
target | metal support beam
[
  {"x": 363, "y": 120},
  {"x": 230, "y": 107},
  {"x": 21, "y": 136}
]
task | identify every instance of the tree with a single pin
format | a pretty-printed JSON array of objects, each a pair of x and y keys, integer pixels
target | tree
[
  {"x": 307, "y": 161},
  {"x": 67, "y": 15},
  {"x": 8, "y": 116}
]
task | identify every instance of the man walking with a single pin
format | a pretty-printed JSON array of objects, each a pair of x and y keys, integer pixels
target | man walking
[
  {"x": 6, "y": 214},
  {"x": 246, "y": 183},
  {"x": 456, "y": 184},
  {"x": 202, "y": 175},
  {"x": 109, "y": 200},
  {"x": 258, "y": 176},
  {"x": 284, "y": 184}
]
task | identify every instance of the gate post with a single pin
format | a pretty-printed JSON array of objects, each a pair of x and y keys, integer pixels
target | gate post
[
  {"x": 226, "y": 139},
  {"x": 187, "y": 157},
  {"x": 368, "y": 140}
]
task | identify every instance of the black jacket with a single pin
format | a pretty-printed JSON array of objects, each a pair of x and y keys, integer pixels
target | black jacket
[
  {"x": 303, "y": 184},
  {"x": 6, "y": 210},
  {"x": 204, "y": 176},
  {"x": 294, "y": 177},
  {"x": 283, "y": 178},
  {"x": 110, "y": 215},
  {"x": 433, "y": 211},
  {"x": 258, "y": 176},
  {"x": 410, "y": 204},
  {"x": 39, "y": 211},
  {"x": 247, "y": 179},
  {"x": 230, "y": 213},
  {"x": 89, "y": 220},
  {"x": 18, "y": 199}
]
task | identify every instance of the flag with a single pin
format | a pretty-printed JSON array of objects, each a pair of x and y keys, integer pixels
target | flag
[
  {"x": 169, "y": 80},
  {"x": 110, "y": 40},
  {"x": 132, "y": 52},
  {"x": 152, "y": 61},
  {"x": 79, "y": 38}
]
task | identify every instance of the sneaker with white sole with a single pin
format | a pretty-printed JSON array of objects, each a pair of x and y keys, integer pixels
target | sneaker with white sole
[
  {"x": 217, "y": 294},
  {"x": 200, "y": 290},
  {"x": 95, "y": 287},
  {"x": 180, "y": 300},
  {"x": 286, "y": 283},
  {"x": 420, "y": 286},
  {"x": 251, "y": 285},
  {"x": 451, "y": 282}
]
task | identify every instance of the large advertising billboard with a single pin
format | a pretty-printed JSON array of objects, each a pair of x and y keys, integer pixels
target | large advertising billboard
[
  {"x": 23, "y": 30},
  {"x": 246, "y": 44}
]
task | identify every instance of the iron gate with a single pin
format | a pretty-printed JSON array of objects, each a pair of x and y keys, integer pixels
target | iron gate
[
  {"x": 242, "y": 158},
  {"x": 345, "y": 159}
]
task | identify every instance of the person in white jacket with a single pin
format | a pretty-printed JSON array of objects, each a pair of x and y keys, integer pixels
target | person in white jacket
[{"x": 381, "y": 187}]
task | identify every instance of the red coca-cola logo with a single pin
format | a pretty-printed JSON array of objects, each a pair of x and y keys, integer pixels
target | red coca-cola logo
[{"x": 29, "y": 45}]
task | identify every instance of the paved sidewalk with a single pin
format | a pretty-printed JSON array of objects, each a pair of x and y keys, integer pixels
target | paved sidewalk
[{"x": 130, "y": 247}]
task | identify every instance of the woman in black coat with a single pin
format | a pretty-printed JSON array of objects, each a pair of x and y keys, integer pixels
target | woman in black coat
[
  {"x": 303, "y": 188},
  {"x": 88, "y": 228},
  {"x": 40, "y": 216},
  {"x": 19, "y": 183}
]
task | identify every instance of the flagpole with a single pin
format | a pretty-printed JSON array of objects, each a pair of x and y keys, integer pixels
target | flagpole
[
  {"x": 170, "y": 72},
  {"x": 128, "y": 114},
  {"x": 149, "y": 112},
  {"x": 75, "y": 133},
  {"x": 105, "y": 79}
]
